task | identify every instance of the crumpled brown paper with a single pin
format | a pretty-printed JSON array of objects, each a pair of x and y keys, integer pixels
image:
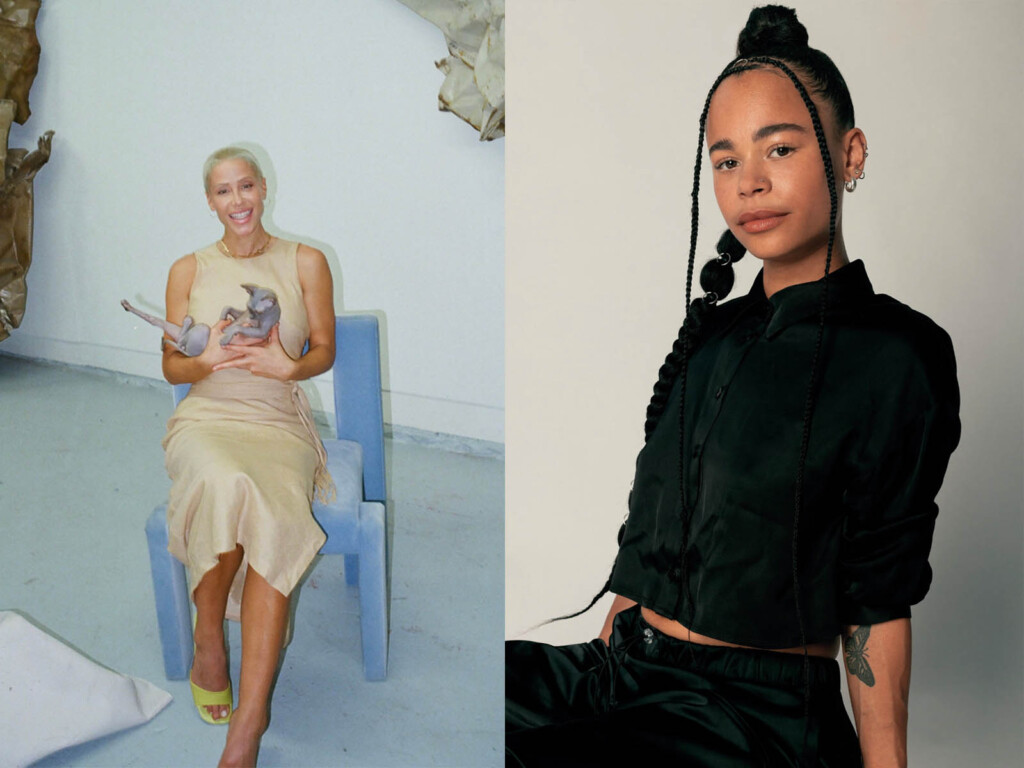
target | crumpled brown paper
[
  {"x": 474, "y": 84},
  {"x": 19, "y": 53},
  {"x": 19, "y": 62},
  {"x": 16, "y": 230}
]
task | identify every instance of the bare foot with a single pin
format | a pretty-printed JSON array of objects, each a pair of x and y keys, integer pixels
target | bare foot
[
  {"x": 243, "y": 742},
  {"x": 210, "y": 670}
]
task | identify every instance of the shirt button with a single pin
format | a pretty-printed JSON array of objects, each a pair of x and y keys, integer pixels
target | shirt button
[{"x": 648, "y": 635}]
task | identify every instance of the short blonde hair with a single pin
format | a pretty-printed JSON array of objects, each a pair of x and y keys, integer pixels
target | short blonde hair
[{"x": 230, "y": 153}]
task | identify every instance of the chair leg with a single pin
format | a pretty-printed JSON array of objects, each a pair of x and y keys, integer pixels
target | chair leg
[
  {"x": 373, "y": 609},
  {"x": 170, "y": 590},
  {"x": 352, "y": 570}
]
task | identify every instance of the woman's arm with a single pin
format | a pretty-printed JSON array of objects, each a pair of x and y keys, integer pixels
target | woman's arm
[
  {"x": 177, "y": 367},
  {"x": 878, "y": 675},
  {"x": 271, "y": 360},
  {"x": 620, "y": 603},
  {"x": 318, "y": 296}
]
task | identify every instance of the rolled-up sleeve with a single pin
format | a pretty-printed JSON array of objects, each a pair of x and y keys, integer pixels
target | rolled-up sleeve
[{"x": 890, "y": 502}]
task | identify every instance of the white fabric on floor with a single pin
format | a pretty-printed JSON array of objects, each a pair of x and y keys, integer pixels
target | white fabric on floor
[{"x": 52, "y": 697}]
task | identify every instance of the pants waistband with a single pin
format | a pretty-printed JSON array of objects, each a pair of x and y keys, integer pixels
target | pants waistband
[{"x": 634, "y": 636}]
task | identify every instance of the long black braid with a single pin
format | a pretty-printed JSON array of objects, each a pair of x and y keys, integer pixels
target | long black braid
[{"x": 688, "y": 333}]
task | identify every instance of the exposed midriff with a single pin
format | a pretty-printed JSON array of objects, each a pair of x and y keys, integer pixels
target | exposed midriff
[{"x": 828, "y": 649}]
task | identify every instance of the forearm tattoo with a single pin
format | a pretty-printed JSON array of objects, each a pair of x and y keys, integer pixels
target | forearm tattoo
[{"x": 855, "y": 648}]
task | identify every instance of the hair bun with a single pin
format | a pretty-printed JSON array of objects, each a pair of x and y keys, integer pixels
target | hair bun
[{"x": 771, "y": 29}]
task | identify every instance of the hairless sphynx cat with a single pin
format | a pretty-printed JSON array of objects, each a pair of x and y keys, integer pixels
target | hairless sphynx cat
[{"x": 260, "y": 315}]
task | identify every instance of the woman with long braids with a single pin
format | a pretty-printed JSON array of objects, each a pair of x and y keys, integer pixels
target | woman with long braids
[{"x": 784, "y": 497}]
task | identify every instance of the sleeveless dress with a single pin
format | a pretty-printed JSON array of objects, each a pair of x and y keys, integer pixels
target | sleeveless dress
[{"x": 241, "y": 450}]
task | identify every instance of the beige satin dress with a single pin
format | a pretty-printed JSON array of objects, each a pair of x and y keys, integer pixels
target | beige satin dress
[{"x": 242, "y": 450}]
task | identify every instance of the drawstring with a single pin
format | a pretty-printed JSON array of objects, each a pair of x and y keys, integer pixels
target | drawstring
[
  {"x": 323, "y": 484},
  {"x": 615, "y": 656}
]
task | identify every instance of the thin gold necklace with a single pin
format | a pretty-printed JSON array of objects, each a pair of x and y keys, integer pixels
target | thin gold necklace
[{"x": 227, "y": 251}]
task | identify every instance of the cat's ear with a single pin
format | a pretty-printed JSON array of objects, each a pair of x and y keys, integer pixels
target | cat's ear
[{"x": 250, "y": 287}]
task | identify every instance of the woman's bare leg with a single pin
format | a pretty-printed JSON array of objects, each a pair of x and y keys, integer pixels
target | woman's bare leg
[
  {"x": 264, "y": 614},
  {"x": 210, "y": 664}
]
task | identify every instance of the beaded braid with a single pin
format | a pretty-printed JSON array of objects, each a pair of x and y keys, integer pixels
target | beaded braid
[
  {"x": 717, "y": 279},
  {"x": 694, "y": 317}
]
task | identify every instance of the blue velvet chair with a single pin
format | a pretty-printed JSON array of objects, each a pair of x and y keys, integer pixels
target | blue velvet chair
[{"x": 355, "y": 523}]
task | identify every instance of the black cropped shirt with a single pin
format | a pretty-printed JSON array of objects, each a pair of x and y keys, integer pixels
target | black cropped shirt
[{"x": 884, "y": 425}]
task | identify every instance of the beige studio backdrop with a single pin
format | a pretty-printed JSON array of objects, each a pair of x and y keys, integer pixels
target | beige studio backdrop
[{"x": 605, "y": 99}]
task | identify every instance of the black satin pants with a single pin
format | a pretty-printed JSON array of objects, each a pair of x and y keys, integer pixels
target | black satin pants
[{"x": 651, "y": 697}]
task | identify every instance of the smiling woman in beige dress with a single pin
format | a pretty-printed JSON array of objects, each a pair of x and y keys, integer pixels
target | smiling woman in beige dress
[{"x": 241, "y": 449}]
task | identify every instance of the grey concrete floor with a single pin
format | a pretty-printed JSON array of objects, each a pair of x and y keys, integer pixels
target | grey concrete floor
[{"x": 80, "y": 470}]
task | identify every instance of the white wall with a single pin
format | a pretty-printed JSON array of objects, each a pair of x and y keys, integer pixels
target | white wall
[
  {"x": 341, "y": 96},
  {"x": 606, "y": 97}
]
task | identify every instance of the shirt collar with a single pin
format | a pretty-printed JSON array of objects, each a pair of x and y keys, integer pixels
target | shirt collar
[{"x": 846, "y": 286}]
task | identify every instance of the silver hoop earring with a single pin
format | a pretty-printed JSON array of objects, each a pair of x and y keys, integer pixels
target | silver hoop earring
[
  {"x": 213, "y": 213},
  {"x": 850, "y": 185},
  {"x": 861, "y": 175}
]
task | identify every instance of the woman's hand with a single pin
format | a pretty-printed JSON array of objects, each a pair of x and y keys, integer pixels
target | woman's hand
[
  {"x": 620, "y": 603},
  {"x": 214, "y": 354},
  {"x": 267, "y": 359},
  {"x": 179, "y": 368}
]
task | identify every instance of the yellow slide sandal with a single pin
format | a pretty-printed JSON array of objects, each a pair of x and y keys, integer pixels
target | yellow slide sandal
[{"x": 204, "y": 698}]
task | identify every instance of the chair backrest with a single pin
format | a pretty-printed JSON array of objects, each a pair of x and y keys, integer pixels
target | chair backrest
[
  {"x": 178, "y": 392},
  {"x": 358, "y": 405},
  {"x": 358, "y": 408}
]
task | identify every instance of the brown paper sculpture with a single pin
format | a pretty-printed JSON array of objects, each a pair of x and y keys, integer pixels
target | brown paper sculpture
[
  {"x": 16, "y": 230},
  {"x": 474, "y": 83},
  {"x": 19, "y": 47},
  {"x": 19, "y": 61}
]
